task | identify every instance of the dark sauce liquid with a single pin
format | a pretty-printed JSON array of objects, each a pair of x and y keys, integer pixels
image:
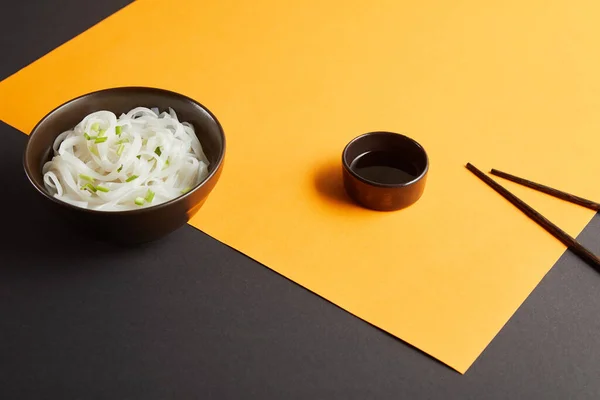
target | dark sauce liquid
[{"x": 384, "y": 167}]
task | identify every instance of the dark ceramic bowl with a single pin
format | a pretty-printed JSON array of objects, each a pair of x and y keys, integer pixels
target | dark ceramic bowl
[
  {"x": 384, "y": 171},
  {"x": 134, "y": 226}
]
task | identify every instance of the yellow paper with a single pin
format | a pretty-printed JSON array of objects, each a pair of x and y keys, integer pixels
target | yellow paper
[{"x": 506, "y": 84}]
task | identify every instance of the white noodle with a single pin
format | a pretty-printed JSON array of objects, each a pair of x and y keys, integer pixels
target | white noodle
[{"x": 140, "y": 159}]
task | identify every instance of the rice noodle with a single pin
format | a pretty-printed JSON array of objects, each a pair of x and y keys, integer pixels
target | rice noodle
[{"x": 139, "y": 159}]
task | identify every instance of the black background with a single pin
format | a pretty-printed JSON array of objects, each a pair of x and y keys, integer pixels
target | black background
[{"x": 188, "y": 317}]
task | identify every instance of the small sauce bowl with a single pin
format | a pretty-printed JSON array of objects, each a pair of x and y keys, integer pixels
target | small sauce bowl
[{"x": 384, "y": 171}]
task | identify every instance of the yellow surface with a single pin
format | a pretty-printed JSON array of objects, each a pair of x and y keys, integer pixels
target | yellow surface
[{"x": 513, "y": 85}]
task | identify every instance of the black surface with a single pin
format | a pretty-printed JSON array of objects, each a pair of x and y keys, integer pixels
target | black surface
[{"x": 190, "y": 318}]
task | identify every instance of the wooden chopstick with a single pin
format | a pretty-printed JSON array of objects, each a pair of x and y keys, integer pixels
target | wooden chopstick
[
  {"x": 548, "y": 190},
  {"x": 558, "y": 233}
]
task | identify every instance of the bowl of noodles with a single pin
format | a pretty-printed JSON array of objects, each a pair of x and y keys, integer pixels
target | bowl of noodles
[{"x": 126, "y": 164}]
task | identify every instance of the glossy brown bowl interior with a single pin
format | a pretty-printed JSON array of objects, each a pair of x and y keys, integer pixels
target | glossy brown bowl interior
[
  {"x": 385, "y": 196},
  {"x": 132, "y": 226}
]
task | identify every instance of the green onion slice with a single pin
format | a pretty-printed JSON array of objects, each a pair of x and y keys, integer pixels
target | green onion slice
[
  {"x": 89, "y": 187},
  {"x": 149, "y": 196},
  {"x": 86, "y": 178}
]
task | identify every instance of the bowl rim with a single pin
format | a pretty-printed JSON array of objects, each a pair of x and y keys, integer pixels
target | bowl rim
[
  {"x": 158, "y": 90},
  {"x": 379, "y": 184}
]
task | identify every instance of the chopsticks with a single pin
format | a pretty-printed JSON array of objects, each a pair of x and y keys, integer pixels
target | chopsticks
[{"x": 558, "y": 233}]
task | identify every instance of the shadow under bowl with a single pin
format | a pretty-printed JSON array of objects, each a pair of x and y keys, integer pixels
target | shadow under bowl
[
  {"x": 131, "y": 226},
  {"x": 384, "y": 171}
]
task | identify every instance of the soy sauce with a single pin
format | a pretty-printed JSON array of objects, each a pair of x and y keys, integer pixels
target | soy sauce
[{"x": 384, "y": 167}]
